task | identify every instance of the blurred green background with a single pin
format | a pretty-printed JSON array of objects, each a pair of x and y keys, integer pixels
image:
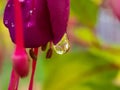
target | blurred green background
[{"x": 86, "y": 66}]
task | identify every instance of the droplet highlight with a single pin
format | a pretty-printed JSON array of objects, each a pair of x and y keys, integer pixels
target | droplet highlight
[
  {"x": 62, "y": 46},
  {"x": 9, "y": 6},
  {"x": 12, "y": 25},
  {"x": 21, "y": 1},
  {"x": 6, "y": 22},
  {"x": 31, "y": 12},
  {"x": 30, "y": 25}
]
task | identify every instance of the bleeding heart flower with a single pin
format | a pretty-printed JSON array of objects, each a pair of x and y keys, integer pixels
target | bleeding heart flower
[{"x": 115, "y": 4}]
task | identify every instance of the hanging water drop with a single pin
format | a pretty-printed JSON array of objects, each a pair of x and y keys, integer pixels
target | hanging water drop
[{"x": 63, "y": 46}]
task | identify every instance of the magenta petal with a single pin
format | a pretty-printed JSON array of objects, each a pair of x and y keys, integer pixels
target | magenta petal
[
  {"x": 59, "y": 13},
  {"x": 37, "y": 29},
  {"x": 44, "y": 21}
]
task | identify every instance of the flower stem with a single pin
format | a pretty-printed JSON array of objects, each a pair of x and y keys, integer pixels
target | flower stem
[
  {"x": 14, "y": 81},
  {"x": 33, "y": 69},
  {"x": 18, "y": 24}
]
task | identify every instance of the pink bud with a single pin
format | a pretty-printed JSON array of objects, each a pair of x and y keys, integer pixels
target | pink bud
[{"x": 21, "y": 62}]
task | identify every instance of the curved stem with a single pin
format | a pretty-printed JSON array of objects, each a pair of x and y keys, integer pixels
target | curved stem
[
  {"x": 14, "y": 81},
  {"x": 33, "y": 69}
]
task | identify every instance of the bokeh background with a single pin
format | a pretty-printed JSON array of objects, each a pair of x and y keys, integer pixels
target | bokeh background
[{"x": 92, "y": 63}]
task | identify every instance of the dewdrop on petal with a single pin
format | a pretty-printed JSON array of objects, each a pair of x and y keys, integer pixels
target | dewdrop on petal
[{"x": 62, "y": 46}]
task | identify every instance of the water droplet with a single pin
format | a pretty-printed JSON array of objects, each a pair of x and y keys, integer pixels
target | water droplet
[
  {"x": 12, "y": 25},
  {"x": 63, "y": 46},
  {"x": 9, "y": 5},
  {"x": 31, "y": 12},
  {"x": 6, "y": 22},
  {"x": 21, "y": 1},
  {"x": 30, "y": 25}
]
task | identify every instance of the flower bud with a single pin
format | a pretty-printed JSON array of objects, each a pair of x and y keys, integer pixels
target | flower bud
[{"x": 21, "y": 63}]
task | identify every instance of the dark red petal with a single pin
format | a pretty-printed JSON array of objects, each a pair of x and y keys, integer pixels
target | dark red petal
[
  {"x": 59, "y": 13},
  {"x": 47, "y": 22}
]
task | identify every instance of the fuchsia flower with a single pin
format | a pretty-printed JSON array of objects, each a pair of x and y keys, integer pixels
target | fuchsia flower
[
  {"x": 33, "y": 23},
  {"x": 43, "y": 20}
]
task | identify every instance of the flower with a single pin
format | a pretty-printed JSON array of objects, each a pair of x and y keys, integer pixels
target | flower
[
  {"x": 34, "y": 23},
  {"x": 43, "y": 21}
]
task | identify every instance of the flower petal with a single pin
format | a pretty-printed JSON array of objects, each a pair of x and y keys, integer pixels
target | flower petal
[
  {"x": 59, "y": 13},
  {"x": 37, "y": 28}
]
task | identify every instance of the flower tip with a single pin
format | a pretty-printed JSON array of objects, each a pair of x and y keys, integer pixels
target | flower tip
[{"x": 21, "y": 64}]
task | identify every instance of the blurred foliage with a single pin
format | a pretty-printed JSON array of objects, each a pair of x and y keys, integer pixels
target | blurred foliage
[
  {"x": 79, "y": 70},
  {"x": 82, "y": 68},
  {"x": 97, "y": 2},
  {"x": 88, "y": 36},
  {"x": 2, "y": 5},
  {"x": 86, "y": 11}
]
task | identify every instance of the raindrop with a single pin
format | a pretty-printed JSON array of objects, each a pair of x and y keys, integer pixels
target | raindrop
[
  {"x": 31, "y": 12},
  {"x": 12, "y": 25},
  {"x": 21, "y": 1},
  {"x": 6, "y": 22},
  {"x": 63, "y": 46},
  {"x": 30, "y": 25},
  {"x": 9, "y": 5}
]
